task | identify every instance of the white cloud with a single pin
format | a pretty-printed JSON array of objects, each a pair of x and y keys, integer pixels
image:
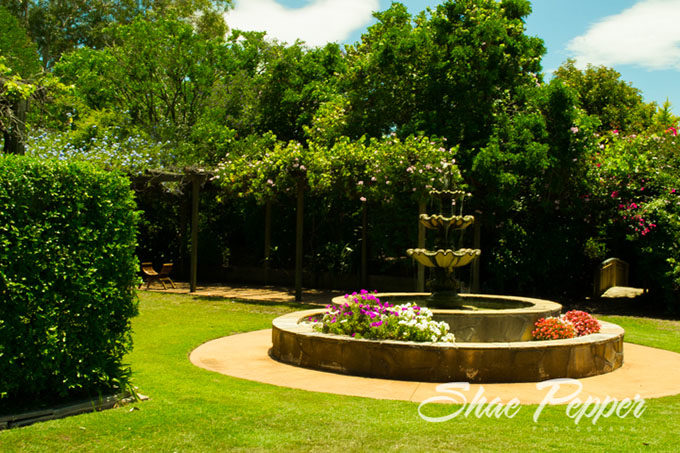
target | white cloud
[
  {"x": 647, "y": 35},
  {"x": 319, "y": 22}
]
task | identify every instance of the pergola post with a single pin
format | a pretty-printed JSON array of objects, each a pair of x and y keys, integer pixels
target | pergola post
[
  {"x": 364, "y": 246},
  {"x": 267, "y": 239},
  {"x": 420, "y": 283},
  {"x": 298, "y": 240},
  {"x": 195, "y": 188}
]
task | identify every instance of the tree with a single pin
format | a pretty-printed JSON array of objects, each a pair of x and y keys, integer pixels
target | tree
[
  {"x": 158, "y": 73},
  {"x": 58, "y": 27},
  {"x": 601, "y": 92},
  {"x": 664, "y": 119},
  {"x": 295, "y": 82},
  {"x": 443, "y": 72}
]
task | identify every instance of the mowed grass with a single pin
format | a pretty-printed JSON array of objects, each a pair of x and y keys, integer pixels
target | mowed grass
[
  {"x": 192, "y": 409},
  {"x": 657, "y": 333}
]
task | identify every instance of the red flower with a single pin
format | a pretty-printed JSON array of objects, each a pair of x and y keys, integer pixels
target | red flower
[{"x": 583, "y": 322}]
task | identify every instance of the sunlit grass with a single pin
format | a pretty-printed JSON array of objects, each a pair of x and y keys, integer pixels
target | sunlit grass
[{"x": 192, "y": 409}]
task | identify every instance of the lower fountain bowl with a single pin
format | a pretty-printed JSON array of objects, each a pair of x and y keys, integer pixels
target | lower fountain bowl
[{"x": 295, "y": 342}]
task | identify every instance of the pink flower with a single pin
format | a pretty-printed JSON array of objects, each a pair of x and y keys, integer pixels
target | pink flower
[
  {"x": 574, "y": 129},
  {"x": 363, "y": 199}
]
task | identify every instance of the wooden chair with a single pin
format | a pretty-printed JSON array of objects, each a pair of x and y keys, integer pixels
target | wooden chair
[{"x": 150, "y": 275}]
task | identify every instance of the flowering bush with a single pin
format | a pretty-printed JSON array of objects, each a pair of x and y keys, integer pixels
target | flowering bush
[
  {"x": 553, "y": 328},
  {"x": 636, "y": 205},
  {"x": 133, "y": 154},
  {"x": 583, "y": 322},
  {"x": 365, "y": 316}
]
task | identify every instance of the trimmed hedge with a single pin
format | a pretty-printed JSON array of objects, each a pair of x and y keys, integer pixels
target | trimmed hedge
[{"x": 67, "y": 276}]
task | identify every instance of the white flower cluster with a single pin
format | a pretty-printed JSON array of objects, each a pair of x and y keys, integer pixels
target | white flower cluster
[{"x": 420, "y": 318}]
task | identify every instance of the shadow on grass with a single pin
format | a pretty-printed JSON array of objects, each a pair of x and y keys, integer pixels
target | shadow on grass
[
  {"x": 263, "y": 303},
  {"x": 645, "y": 305}
]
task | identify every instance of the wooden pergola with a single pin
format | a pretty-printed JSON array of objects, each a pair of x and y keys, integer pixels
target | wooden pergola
[{"x": 197, "y": 179}]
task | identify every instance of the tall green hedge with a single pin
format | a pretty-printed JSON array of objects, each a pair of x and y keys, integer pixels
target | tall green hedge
[{"x": 67, "y": 276}]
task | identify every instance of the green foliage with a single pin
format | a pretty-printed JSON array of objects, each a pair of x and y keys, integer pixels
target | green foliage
[
  {"x": 664, "y": 119},
  {"x": 58, "y": 27},
  {"x": 601, "y": 92},
  {"x": 67, "y": 276},
  {"x": 529, "y": 181},
  {"x": 295, "y": 83},
  {"x": 20, "y": 53},
  {"x": 275, "y": 168},
  {"x": 202, "y": 95},
  {"x": 442, "y": 72},
  {"x": 159, "y": 73},
  {"x": 373, "y": 170}
]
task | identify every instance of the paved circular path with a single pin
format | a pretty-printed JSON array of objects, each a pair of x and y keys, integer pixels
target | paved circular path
[{"x": 647, "y": 372}]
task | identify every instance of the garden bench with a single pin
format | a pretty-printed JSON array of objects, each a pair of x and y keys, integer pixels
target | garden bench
[{"x": 150, "y": 275}]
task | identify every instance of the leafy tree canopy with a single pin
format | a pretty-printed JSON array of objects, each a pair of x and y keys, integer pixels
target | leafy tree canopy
[
  {"x": 443, "y": 71},
  {"x": 58, "y": 27},
  {"x": 20, "y": 53},
  {"x": 601, "y": 92}
]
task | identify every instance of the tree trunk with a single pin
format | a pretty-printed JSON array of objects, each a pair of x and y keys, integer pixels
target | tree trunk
[{"x": 14, "y": 137}]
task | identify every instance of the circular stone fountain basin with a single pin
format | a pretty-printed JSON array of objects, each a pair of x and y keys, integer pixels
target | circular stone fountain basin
[
  {"x": 295, "y": 342},
  {"x": 483, "y": 318}
]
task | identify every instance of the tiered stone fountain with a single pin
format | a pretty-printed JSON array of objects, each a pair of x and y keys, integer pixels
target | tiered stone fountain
[
  {"x": 445, "y": 260},
  {"x": 493, "y": 333}
]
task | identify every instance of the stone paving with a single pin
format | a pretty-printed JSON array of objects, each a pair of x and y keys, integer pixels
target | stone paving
[
  {"x": 246, "y": 292},
  {"x": 647, "y": 372}
]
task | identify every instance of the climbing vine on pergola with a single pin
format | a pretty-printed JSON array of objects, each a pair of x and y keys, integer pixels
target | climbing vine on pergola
[{"x": 369, "y": 171}]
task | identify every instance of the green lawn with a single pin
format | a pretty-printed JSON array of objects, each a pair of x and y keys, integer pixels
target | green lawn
[{"x": 192, "y": 409}]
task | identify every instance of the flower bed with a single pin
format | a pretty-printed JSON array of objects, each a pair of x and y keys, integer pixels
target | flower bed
[
  {"x": 571, "y": 324},
  {"x": 363, "y": 315}
]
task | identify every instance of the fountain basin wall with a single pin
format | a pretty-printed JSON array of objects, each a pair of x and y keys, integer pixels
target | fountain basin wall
[
  {"x": 483, "y": 325},
  {"x": 296, "y": 343}
]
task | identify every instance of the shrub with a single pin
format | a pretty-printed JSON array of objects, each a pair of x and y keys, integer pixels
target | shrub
[
  {"x": 364, "y": 316},
  {"x": 553, "y": 328},
  {"x": 583, "y": 322},
  {"x": 67, "y": 276}
]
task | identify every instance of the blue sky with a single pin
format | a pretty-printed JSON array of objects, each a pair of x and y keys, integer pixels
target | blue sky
[{"x": 638, "y": 38}]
